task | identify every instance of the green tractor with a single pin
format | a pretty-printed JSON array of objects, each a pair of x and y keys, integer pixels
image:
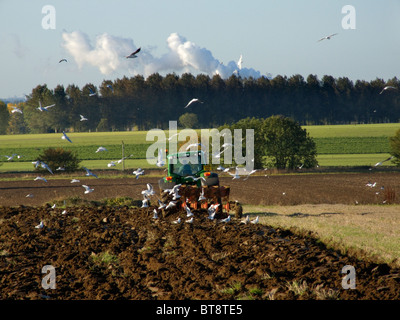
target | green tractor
[{"x": 199, "y": 187}]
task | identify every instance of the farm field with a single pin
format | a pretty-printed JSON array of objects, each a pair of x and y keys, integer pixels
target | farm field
[
  {"x": 120, "y": 252},
  {"x": 337, "y": 145}
]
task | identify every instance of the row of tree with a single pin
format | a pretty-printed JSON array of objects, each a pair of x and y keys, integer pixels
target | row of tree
[{"x": 139, "y": 103}]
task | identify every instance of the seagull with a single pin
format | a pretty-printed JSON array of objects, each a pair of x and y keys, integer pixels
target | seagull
[
  {"x": 99, "y": 149},
  {"x": 162, "y": 205},
  {"x": 65, "y": 60},
  {"x": 110, "y": 87},
  {"x": 226, "y": 219},
  {"x": 9, "y": 158},
  {"x": 202, "y": 197},
  {"x": 65, "y": 137},
  {"x": 60, "y": 169},
  {"x": 327, "y": 37},
  {"x": 170, "y": 205},
  {"x": 155, "y": 215},
  {"x": 30, "y": 195},
  {"x": 44, "y": 108},
  {"x": 193, "y": 101},
  {"x": 160, "y": 162},
  {"x": 15, "y": 109},
  {"x": 90, "y": 173},
  {"x": 246, "y": 221},
  {"x": 120, "y": 160},
  {"x": 145, "y": 202},
  {"x": 386, "y": 88},
  {"x": 178, "y": 221},
  {"x": 196, "y": 178},
  {"x": 64, "y": 212},
  {"x": 75, "y": 180},
  {"x": 92, "y": 93},
  {"x": 138, "y": 172},
  {"x": 379, "y": 163},
  {"x": 220, "y": 168},
  {"x": 111, "y": 164},
  {"x": 133, "y": 54},
  {"x": 40, "y": 225},
  {"x": 371, "y": 185},
  {"x": 189, "y": 213},
  {"x": 87, "y": 189},
  {"x": 193, "y": 145},
  {"x": 190, "y": 220},
  {"x": 170, "y": 138},
  {"x": 239, "y": 63},
  {"x": 40, "y": 178},
  {"x": 149, "y": 192},
  {"x": 53, "y": 206},
  {"x": 235, "y": 175},
  {"x": 255, "y": 221},
  {"x": 251, "y": 172},
  {"x": 82, "y": 118},
  {"x": 45, "y": 166}
]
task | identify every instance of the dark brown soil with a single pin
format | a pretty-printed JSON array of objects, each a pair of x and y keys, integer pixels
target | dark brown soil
[{"x": 123, "y": 253}]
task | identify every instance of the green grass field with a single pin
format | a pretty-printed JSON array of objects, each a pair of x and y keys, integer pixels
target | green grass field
[{"x": 337, "y": 145}]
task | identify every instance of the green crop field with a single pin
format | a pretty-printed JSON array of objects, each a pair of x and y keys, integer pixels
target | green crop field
[{"x": 337, "y": 145}]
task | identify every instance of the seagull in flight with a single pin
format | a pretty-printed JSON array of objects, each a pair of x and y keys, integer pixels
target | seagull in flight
[
  {"x": 226, "y": 219},
  {"x": 235, "y": 175},
  {"x": 327, "y": 37},
  {"x": 40, "y": 178},
  {"x": 90, "y": 173},
  {"x": 150, "y": 191},
  {"x": 133, "y": 54},
  {"x": 65, "y": 137},
  {"x": 63, "y": 60},
  {"x": 138, "y": 172},
  {"x": 92, "y": 93},
  {"x": 44, "y": 108},
  {"x": 193, "y": 145},
  {"x": 40, "y": 225},
  {"x": 193, "y": 101},
  {"x": 82, "y": 118},
  {"x": 379, "y": 163},
  {"x": 87, "y": 189},
  {"x": 75, "y": 180},
  {"x": 251, "y": 172},
  {"x": 178, "y": 221},
  {"x": 386, "y": 88},
  {"x": 255, "y": 221},
  {"x": 160, "y": 162},
  {"x": 170, "y": 205},
  {"x": 15, "y": 109},
  {"x": 45, "y": 166},
  {"x": 155, "y": 215},
  {"x": 101, "y": 149},
  {"x": 9, "y": 158}
]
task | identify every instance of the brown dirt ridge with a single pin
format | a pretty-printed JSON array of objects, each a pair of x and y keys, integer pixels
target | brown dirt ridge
[{"x": 105, "y": 253}]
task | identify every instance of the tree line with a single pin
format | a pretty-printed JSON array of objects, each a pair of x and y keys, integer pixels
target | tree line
[{"x": 137, "y": 103}]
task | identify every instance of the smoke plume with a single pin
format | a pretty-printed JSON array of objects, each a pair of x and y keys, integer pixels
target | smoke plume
[{"x": 109, "y": 53}]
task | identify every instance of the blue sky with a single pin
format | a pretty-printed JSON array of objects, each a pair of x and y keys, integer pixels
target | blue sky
[{"x": 275, "y": 37}]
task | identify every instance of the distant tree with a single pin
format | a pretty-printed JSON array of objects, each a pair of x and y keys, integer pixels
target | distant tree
[
  {"x": 395, "y": 147},
  {"x": 4, "y": 116},
  {"x": 188, "y": 120},
  {"x": 58, "y": 157}
]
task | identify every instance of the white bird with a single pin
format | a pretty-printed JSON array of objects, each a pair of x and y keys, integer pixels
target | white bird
[
  {"x": 87, "y": 189},
  {"x": 138, "y": 172},
  {"x": 92, "y": 93},
  {"x": 226, "y": 219},
  {"x": 255, "y": 220},
  {"x": 371, "y": 185},
  {"x": 30, "y": 195},
  {"x": 220, "y": 168},
  {"x": 226, "y": 145},
  {"x": 149, "y": 192},
  {"x": 145, "y": 202},
  {"x": 196, "y": 178},
  {"x": 174, "y": 135},
  {"x": 90, "y": 173},
  {"x": 65, "y": 137},
  {"x": 15, "y": 109},
  {"x": 155, "y": 215},
  {"x": 60, "y": 169},
  {"x": 40, "y": 225},
  {"x": 193, "y": 145},
  {"x": 53, "y": 206},
  {"x": 177, "y": 221},
  {"x": 327, "y": 37},
  {"x": 99, "y": 149},
  {"x": 170, "y": 205},
  {"x": 251, "y": 172},
  {"x": 45, "y": 166},
  {"x": 9, "y": 158},
  {"x": 120, "y": 160},
  {"x": 110, "y": 87},
  {"x": 63, "y": 60},
  {"x": 75, "y": 180},
  {"x": 379, "y": 163},
  {"x": 83, "y": 118},
  {"x": 44, "y": 108},
  {"x": 160, "y": 162},
  {"x": 386, "y": 88},
  {"x": 133, "y": 54},
  {"x": 111, "y": 164},
  {"x": 64, "y": 212},
  {"x": 189, "y": 213},
  {"x": 235, "y": 175},
  {"x": 246, "y": 220},
  {"x": 202, "y": 197},
  {"x": 162, "y": 205},
  {"x": 190, "y": 220},
  {"x": 240, "y": 62},
  {"x": 40, "y": 178},
  {"x": 193, "y": 101}
]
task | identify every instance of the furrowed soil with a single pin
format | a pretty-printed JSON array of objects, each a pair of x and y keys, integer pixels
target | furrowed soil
[{"x": 120, "y": 252}]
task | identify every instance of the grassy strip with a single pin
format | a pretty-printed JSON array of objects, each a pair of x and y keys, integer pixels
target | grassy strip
[
  {"x": 356, "y": 130},
  {"x": 352, "y": 145},
  {"x": 372, "y": 229}
]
